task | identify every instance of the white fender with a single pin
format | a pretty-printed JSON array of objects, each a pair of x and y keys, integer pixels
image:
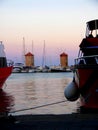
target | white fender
[{"x": 71, "y": 92}]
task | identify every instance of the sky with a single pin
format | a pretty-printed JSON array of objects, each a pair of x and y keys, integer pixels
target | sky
[{"x": 60, "y": 23}]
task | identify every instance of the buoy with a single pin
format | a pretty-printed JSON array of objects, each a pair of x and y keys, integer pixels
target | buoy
[{"x": 71, "y": 92}]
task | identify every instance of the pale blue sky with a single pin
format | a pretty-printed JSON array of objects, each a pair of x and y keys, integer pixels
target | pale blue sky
[{"x": 61, "y": 23}]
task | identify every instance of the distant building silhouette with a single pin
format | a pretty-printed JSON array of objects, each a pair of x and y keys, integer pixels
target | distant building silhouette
[
  {"x": 29, "y": 59},
  {"x": 64, "y": 60}
]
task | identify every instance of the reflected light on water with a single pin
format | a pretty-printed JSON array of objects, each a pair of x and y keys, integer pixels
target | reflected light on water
[{"x": 36, "y": 89}]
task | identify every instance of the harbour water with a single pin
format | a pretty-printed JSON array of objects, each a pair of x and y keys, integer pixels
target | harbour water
[{"x": 30, "y": 90}]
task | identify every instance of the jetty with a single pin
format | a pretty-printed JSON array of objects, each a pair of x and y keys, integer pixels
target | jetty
[{"x": 75, "y": 121}]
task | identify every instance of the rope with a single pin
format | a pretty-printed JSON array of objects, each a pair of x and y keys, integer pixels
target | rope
[
  {"x": 39, "y": 106},
  {"x": 5, "y": 85}
]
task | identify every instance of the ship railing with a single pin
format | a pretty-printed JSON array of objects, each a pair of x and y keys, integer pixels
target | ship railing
[
  {"x": 87, "y": 60},
  {"x": 10, "y": 62}
]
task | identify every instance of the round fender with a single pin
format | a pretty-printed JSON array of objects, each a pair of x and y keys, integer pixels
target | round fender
[{"x": 71, "y": 92}]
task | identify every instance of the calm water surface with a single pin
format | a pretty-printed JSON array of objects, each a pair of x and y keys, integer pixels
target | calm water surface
[{"x": 28, "y": 90}]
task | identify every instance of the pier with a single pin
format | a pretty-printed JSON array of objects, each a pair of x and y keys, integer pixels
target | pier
[{"x": 51, "y": 122}]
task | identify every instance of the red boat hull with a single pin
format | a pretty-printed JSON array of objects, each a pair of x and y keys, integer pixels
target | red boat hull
[
  {"x": 4, "y": 74},
  {"x": 87, "y": 82}
]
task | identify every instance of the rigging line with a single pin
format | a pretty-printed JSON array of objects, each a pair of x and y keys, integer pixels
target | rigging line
[{"x": 39, "y": 106}]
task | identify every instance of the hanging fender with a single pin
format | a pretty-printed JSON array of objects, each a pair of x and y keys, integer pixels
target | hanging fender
[{"x": 71, "y": 91}]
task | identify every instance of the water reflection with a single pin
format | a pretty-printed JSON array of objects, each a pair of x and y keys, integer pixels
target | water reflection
[
  {"x": 6, "y": 102},
  {"x": 31, "y": 90}
]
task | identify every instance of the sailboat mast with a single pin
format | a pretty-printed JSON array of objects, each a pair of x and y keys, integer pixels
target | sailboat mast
[
  {"x": 43, "y": 60},
  {"x": 32, "y": 46},
  {"x": 24, "y": 50}
]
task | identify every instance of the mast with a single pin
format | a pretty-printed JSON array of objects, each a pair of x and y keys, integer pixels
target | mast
[
  {"x": 32, "y": 46},
  {"x": 24, "y": 52},
  {"x": 44, "y": 56}
]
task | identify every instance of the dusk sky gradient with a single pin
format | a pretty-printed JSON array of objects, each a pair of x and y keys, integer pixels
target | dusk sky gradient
[{"x": 61, "y": 23}]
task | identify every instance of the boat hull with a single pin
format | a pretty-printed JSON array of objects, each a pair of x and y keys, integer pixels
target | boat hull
[
  {"x": 4, "y": 74},
  {"x": 87, "y": 82}
]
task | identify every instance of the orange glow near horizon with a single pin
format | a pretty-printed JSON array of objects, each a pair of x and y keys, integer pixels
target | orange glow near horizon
[{"x": 60, "y": 23}]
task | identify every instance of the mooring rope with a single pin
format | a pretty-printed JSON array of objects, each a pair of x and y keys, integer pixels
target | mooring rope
[
  {"x": 44, "y": 105},
  {"x": 5, "y": 85}
]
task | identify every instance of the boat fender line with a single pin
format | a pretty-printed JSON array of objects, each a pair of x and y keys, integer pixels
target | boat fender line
[
  {"x": 5, "y": 85},
  {"x": 71, "y": 91}
]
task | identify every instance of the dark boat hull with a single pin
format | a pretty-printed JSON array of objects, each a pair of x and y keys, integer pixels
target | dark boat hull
[{"x": 57, "y": 70}]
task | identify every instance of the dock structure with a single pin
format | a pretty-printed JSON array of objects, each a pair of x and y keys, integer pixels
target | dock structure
[{"x": 51, "y": 122}]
